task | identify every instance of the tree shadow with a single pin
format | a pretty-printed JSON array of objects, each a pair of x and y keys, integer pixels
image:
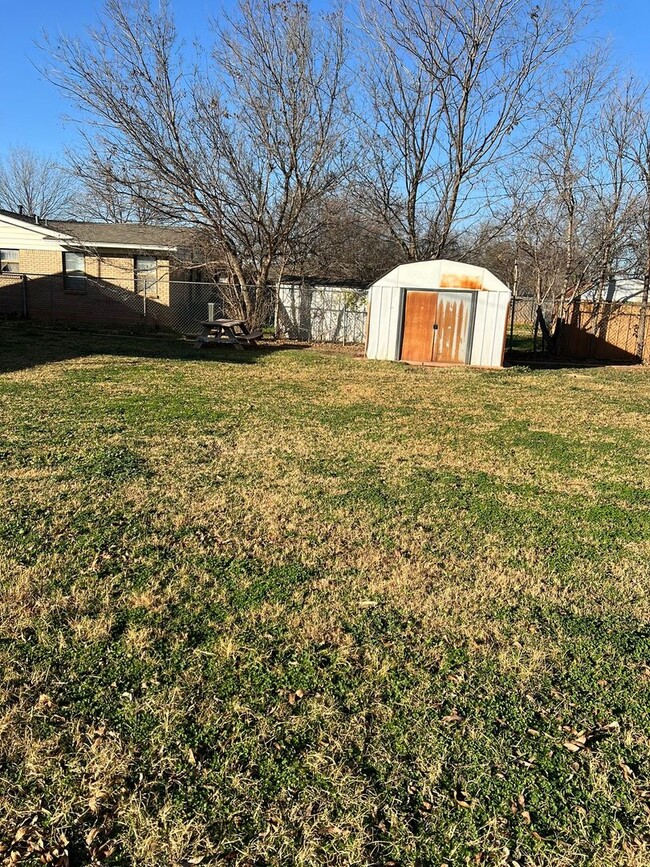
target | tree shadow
[
  {"x": 589, "y": 335},
  {"x": 546, "y": 361},
  {"x": 24, "y": 345}
]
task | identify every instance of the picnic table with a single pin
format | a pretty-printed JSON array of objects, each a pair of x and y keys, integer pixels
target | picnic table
[{"x": 232, "y": 332}]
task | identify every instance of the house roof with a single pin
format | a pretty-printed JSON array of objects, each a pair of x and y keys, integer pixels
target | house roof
[
  {"x": 33, "y": 224},
  {"x": 25, "y": 219},
  {"x": 124, "y": 234},
  {"x": 115, "y": 235}
]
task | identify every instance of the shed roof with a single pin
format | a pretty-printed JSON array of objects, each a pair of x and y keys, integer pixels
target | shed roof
[{"x": 442, "y": 274}]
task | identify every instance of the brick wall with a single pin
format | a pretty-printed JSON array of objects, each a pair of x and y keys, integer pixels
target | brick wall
[
  {"x": 41, "y": 261},
  {"x": 108, "y": 296},
  {"x": 11, "y": 295},
  {"x": 96, "y": 302}
]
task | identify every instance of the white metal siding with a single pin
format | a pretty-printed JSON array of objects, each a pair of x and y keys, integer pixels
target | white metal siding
[
  {"x": 383, "y": 337},
  {"x": 384, "y": 325},
  {"x": 489, "y": 325},
  {"x": 374, "y": 304},
  {"x": 325, "y": 314}
]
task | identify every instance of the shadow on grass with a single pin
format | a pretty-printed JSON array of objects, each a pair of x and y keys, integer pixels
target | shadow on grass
[
  {"x": 24, "y": 345},
  {"x": 545, "y": 361}
]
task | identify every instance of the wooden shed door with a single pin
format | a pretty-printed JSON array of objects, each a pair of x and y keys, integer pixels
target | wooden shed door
[{"x": 436, "y": 326}]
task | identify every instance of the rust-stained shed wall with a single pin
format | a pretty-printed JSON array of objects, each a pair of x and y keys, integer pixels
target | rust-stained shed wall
[{"x": 490, "y": 302}]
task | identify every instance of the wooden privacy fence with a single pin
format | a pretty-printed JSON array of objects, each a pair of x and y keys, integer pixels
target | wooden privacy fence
[{"x": 603, "y": 331}]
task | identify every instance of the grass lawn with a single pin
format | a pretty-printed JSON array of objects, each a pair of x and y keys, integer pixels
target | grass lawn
[
  {"x": 522, "y": 338},
  {"x": 300, "y": 608}
]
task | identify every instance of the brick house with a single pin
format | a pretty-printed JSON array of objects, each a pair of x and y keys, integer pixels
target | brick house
[{"x": 96, "y": 272}]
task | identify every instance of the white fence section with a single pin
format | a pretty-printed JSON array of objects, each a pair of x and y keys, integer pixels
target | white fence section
[{"x": 321, "y": 313}]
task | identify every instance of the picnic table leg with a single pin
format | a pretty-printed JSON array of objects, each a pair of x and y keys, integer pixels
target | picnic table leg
[
  {"x": 201, "y": 339},
  {"x": 232, "y": 337}
]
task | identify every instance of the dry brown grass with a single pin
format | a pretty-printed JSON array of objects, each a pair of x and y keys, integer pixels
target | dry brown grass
[{"x": 309, "y": 609}]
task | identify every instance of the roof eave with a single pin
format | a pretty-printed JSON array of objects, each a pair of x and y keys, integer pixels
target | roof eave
[
  {"x": 38, "y": 228},
  {"x": 101, "y": 245}
]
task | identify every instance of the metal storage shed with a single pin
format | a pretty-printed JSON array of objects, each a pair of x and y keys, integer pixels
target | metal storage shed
[{"x": 438, "y": 312}]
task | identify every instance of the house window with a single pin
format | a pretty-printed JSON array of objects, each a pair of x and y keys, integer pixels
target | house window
[
  {"x": 146, "y": 275},
  {"x": 9, "y": 262},
  {"x": 74, "y": 272}
]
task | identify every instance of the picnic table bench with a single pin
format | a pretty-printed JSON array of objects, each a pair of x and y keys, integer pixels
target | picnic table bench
[{"x": 232, "y": 332}]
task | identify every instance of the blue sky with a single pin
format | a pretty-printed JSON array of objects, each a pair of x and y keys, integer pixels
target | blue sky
[{"x": 33, "y": 110}]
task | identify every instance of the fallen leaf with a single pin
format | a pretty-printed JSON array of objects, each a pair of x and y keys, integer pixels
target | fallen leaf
[
  {"x": 90, "y": 836},
  {"x": 627, "y": 770},
  {"x": 576, "y": 744}
]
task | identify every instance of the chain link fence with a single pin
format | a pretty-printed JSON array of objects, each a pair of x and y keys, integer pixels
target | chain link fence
[
  {"x": 165, "y": 306},
  {"x": 523, "y": 333},
  {"x": 310, "y": 313},
  {"x": 600, "y": 331}
]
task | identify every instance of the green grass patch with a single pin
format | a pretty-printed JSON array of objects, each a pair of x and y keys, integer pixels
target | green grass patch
[{"x": 299, "y": 608}]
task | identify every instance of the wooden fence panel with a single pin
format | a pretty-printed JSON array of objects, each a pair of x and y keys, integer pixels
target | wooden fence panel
[{"x": 605, "y": 332}]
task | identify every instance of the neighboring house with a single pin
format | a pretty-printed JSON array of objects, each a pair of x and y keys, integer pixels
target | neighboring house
[
  {"x": 100, "y": 272},
  {"x": 620, "y": 290},
  {"x": 131, "y": 275}
]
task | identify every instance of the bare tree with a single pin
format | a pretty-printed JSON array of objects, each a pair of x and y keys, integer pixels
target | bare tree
[
  {"x": 35, "y": 185},
  {"x": 615, "y": 196},
  {"x": 102, "y": 198},
  {"x": 239, "y": 144},
  {"x": 343, "y": 244},
  {"x": 448, "y": 85},
  {"x": 564, "y": 159},
  {"x": 640, "y": 156}
]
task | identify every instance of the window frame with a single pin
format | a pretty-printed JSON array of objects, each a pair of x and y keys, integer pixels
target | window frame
[
  {"x": 7, "y": 263},
  {"x": 74, "y": 280},
  {"x": 148, "y": 288}
]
